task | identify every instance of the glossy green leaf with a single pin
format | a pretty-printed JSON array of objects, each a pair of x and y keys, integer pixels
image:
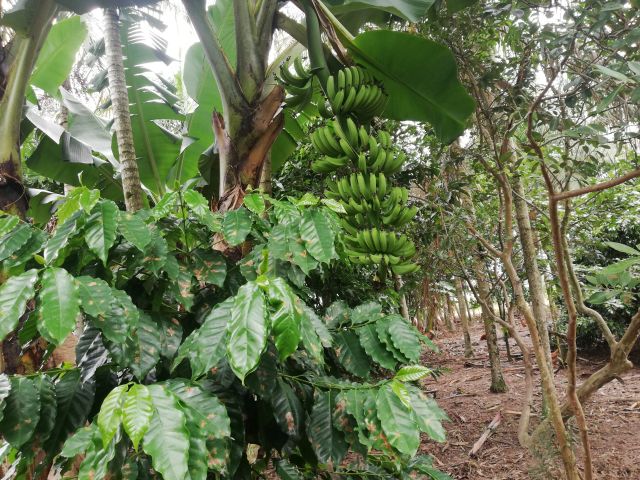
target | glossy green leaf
[
  {"x": 95, "y": 464},
  {"x": 397, "y": 422},
  {"x": 411, "y": 373},
  {"x": 404, "y": 338},
  {"x": 21, "y": 411},
  {"x": 74, "y": 399},
  {"x": 206, "y": 346},
  {"x": 248, "y": 330},
  {"x": 167, "y": 440},
  {"x": 206, "y": 410},
  {"x": 427, "y": 414},
  {"x": 209, "y": 267},
  {"x": 14, "y": 295},
  {"x": 48, "y": 407},
  {"x": 134, "y": 230},
  {"x": 95, "y": 294},
  {"x": 254, "y": 202},
  {"x": 401, "y": 392},
  {"x": 318, "y": 325},
  {"x": 327, "y": 442},
  {"x": 100, "y": 233},
  {"x": 286, "y": 244},
  {"x": 311, "y": 341},
  {"x": 79, "y": 441},
  {"x": 374, "y": 347},
  {"x": 287, "y": 409},
  {"x": 136, "y": 413},
  {"x": 317, "y": 235},
  {"x": 146, "y": 347},
  {"x": 58, "y": 305},
  {"x": 78, "y": 198},
  {"x": 14, "y": 240},
  {"x": 110, "y": 415},
  {"x": 60, "y": 238},
  {"x": 58, "y": 54},
  {"x": 8, "y": 223},
  {"x": 351, "y": 354},
  {"x": 422, "y": 83},
  {"x": 236, "y": 225},
  {"x": 623, "y": 248},
  {"x": 286, "y": 314},
  {"x": 201, "y": 209}
]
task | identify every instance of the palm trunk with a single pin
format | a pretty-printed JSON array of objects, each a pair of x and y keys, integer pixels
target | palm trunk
[
  {"x": 464, "y": 319},
  {"x": 133, "y": 194}
]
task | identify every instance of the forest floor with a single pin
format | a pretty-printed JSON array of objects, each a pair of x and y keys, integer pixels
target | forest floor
[{"x": 613, "y": 416}]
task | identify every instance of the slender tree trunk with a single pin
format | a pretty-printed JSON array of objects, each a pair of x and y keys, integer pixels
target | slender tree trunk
[
  {"x": 498, "y": 385},
  {"x": 537, "y": 291},
  {"x": 133, "y": 194},
  {"x": 448, "y": 306},
  {"x": 464, "y": 319}
]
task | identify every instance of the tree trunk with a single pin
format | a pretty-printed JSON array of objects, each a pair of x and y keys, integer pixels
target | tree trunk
[
  {"x": 498, "y": 384},
  {"x": 133, "y": 194},
  {"x": 450, "y": 312},
  {"x": 537, "y": 292},
  {"x": 251, "y": 119},
  {"x": 17, "y": 59},
  {"x": 464, "y": 319}
]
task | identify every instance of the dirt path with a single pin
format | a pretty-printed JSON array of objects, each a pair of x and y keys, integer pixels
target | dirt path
[{"x": 613, "y": 415}]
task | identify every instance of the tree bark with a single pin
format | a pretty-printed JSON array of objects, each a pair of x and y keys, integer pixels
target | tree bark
[
  {"x": 133, "y": 194},
  {"x": 537, "y": 292},
  {"x": 464, "y": 319},
  {"x": 448, "y": 306},
  {"x": 498, "y": 385}
]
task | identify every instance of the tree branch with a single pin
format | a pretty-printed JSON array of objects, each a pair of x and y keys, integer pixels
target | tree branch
[{"x": 597, "y": 187}]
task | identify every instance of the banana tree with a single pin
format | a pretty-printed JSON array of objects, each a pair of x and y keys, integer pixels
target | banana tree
[
  {"x": 25, "y": 32},
  {"x": 251, "y": 116}
]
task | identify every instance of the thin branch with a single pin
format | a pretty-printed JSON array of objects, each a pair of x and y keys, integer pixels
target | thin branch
[{"x": 597, "y": 187}]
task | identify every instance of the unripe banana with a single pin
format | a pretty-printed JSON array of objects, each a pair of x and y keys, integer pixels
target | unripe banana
[
  {"x": 331, "y": 87},
  {"x": 341, "y": 79},
  {"x": 349, "y": 99},
  {"x": 336, "y": 102},
  {"x": 352, "y": 131}
]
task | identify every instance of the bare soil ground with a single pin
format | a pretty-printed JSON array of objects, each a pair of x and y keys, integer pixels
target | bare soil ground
[{"x": 613, "y": 415}]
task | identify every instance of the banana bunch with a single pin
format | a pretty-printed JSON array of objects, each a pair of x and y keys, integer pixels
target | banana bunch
[
  {"x": 373, "y": 246},
  {"x": 353, "y": 90},
  {"x": 298, "y": 84},
  {"x": 340, "y": 141},
  {"x": 359, "y": 162}
]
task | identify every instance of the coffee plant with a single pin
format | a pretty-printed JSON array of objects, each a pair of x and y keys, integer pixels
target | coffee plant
[{"x": 194, "y": 364}]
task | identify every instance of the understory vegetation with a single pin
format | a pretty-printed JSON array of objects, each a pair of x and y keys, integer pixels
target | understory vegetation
[{"x": 230, "y": 230}]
